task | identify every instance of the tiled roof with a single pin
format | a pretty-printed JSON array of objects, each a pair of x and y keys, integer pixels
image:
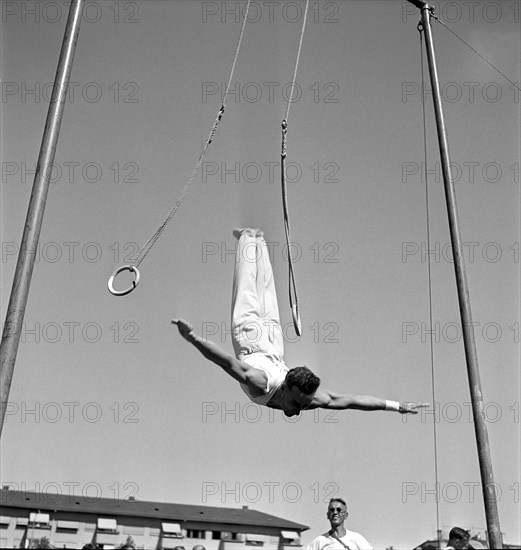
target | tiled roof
[{"x": 142, "y": 508}]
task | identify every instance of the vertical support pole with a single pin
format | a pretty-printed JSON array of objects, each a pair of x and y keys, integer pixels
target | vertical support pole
[
  {"x": 485, "y": 462},
  {"x": 33, "y": 222}
]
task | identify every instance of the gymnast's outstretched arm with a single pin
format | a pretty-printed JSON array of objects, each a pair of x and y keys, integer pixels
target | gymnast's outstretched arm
[
  {"x": 254, "y": 378},
  {"x": 325, "y": 399}
]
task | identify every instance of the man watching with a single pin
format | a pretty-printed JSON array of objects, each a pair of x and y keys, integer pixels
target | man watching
[{"x": 338, "y": 537}]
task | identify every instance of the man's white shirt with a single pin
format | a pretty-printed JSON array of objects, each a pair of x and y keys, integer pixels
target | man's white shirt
[{"x": 352, "y": 540}]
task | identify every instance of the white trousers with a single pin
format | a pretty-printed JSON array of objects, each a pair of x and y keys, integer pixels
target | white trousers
[{"x": 255, "y": 311}]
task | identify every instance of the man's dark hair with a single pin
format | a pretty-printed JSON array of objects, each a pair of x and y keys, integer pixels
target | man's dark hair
[
  {"x": 459, "y": 533},
  {"x": 302, "y": 378}
]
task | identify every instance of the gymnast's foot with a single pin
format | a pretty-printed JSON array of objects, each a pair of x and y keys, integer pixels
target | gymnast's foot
[{"x": 247, "y": 231}]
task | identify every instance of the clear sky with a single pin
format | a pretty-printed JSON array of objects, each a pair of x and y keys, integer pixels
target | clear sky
[{"x": 108, "y": 400}]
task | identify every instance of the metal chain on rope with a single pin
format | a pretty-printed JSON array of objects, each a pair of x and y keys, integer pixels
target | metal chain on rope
[
  {"x": 293, "y": 299},
  {"x": 145, "y": 249}
]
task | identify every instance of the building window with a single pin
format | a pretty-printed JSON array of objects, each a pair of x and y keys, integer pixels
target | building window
[
  {"x": 67, "y": 526},
  {"x": 255, "y": 540},
  {"x": 291, "y": 538},
  {"x": 228, "y": 536},
  {"x": 171, "y": 530},
  {"x": 107, "y": 535},
  {"x": 216, "y": 535},
  {"x": 4, "y": 522},
  {"x": 107, "y": 525},
  {"x": 40, "y": 521},
  {"x": 195, "y": 534}
]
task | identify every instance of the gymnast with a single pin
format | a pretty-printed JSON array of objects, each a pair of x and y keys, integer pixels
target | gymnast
[{"x": 258, "y": 364}]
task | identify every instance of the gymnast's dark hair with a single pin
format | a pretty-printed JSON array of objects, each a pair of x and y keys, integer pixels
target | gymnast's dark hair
[{"x": 305, "y": 380}]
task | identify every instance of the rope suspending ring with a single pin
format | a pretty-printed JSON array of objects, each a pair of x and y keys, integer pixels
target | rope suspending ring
[
  {"x": 135, "y": 282},
  {"x": 293, "y": 299},
  {"x": 145, "y": 249}
]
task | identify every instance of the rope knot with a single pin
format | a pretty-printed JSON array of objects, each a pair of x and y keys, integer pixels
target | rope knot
[
  {"x": 284, "y": 144},
  {"x": 284, "y": 125}
]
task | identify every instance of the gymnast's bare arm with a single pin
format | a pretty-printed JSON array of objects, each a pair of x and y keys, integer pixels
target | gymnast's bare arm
[
  {"x": 254, "y": 378},
  {"x": 325, "y": 399}
]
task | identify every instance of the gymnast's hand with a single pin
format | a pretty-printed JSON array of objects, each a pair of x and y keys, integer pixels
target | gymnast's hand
[
  {"x": 412, "y": 408},
  {"x": 185, "y": 329}
]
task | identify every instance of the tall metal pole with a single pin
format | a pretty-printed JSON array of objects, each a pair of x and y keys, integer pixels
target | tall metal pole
[
  {"x": 485, "y": 462},
  {"x": 33, "y": 223}
]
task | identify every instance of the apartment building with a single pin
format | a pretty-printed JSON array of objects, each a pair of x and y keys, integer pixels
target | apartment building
[{"x": 72, "y": 521}]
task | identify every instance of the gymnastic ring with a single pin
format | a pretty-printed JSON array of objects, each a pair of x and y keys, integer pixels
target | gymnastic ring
[
  {"x": 135, "y": 282},
  {"x": 296, "y": 320}
]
